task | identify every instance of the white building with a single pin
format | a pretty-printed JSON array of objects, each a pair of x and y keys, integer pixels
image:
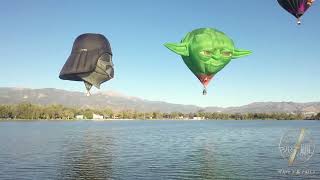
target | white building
[
  {"x": 198, "y": 118},
  {"x": 79, "y": 116},
  {"x": 97, "y": 116}
]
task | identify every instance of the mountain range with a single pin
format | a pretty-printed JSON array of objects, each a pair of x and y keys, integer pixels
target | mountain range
[{"x": 117, "y": 101}]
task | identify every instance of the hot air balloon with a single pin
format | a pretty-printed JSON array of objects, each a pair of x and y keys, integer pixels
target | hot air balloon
[
  {"x": 206, "y": 51},
  {"x": 296, "y": 7},
  {"x": 90, "y": 61}
]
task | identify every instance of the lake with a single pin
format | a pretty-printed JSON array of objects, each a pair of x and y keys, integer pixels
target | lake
[{"x": 153, "y": 149}]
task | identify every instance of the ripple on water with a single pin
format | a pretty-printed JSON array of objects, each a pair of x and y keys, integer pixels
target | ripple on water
[{"x": 145, "y": 150}]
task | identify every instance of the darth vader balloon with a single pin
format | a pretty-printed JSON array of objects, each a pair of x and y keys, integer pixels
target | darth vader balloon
[{"x": 90, "y": 61}]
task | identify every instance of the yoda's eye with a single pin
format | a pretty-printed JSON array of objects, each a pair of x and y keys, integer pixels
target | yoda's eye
[
  {"x": 206, "y": 53},
  {"x": 226, "y": 54}
]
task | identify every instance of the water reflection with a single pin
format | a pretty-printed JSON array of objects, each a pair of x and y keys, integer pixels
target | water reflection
[
  {"x": 146, "y": 150},
  {"x": 210, "y": 158},
  {"x": 207, "y": 161},
  {"x": 203, "y": 157},
  {"x": 87, "y": 155}
]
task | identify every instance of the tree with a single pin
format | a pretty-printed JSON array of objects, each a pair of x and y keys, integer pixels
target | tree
[
  {"x": 174, "y": 115},
  {"x": 88, "y": 114},
  {"x": 156, "y": 115},
  {"x": 25, "y": 111},
  {"x": 107, "y": 113},
  {"x": 6, "y": 112}
]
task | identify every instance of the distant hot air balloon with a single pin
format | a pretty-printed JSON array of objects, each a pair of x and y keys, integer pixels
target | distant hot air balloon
[
  {"x": 296, "y": 7},
  {"x": 90, "y": 61},
  {"x": 206, "y": 51}
]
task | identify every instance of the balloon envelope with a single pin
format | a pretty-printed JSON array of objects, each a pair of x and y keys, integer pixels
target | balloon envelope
[
  {"x": 296, "y": 7},
  {"x": 206, "y": 51},
  {"x": 90, "y": 61}
]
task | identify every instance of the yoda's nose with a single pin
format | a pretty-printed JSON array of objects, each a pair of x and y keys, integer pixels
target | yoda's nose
[{"x": 216, "y": 56}]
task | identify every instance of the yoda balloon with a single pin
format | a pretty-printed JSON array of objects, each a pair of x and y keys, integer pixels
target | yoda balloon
[{"x": 206, "y": 51}]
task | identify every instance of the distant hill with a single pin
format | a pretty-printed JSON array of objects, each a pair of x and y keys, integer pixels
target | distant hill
[
  {"x": 118, "y": 101},
  {"x": 269, "y": 107},
  {"x": 109, "y": 99}
]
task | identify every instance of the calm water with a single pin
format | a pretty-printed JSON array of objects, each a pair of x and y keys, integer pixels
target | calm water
[{"x": 150, "y": 150}]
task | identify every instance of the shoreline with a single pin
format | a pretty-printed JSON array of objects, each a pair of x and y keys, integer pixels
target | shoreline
[{"x": 103, "y": 120}]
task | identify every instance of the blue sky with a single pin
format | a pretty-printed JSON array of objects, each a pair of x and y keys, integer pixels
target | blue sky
[{"x": 37, "y": 36}]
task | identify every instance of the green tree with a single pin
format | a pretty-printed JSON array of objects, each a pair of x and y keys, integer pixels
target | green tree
[
  {"x": 6, "y": 112},
  {"x": 88, "y": 114}
]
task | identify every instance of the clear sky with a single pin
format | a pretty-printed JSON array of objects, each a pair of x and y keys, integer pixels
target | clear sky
[{"x": 37, "y": 36}]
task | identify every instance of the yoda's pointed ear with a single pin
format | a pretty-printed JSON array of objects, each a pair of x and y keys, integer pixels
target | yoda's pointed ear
[
  {"x": 237, "y": 53},
  {"x": 179, "y": 48}
]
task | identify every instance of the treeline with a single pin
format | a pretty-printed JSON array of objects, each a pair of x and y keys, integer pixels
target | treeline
[
  {"x": 32, "y": 111},
  {"x": 314, "y": 117}
]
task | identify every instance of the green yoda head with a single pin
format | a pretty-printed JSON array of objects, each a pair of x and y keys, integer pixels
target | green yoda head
[{"x": 206, "y": 51}]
